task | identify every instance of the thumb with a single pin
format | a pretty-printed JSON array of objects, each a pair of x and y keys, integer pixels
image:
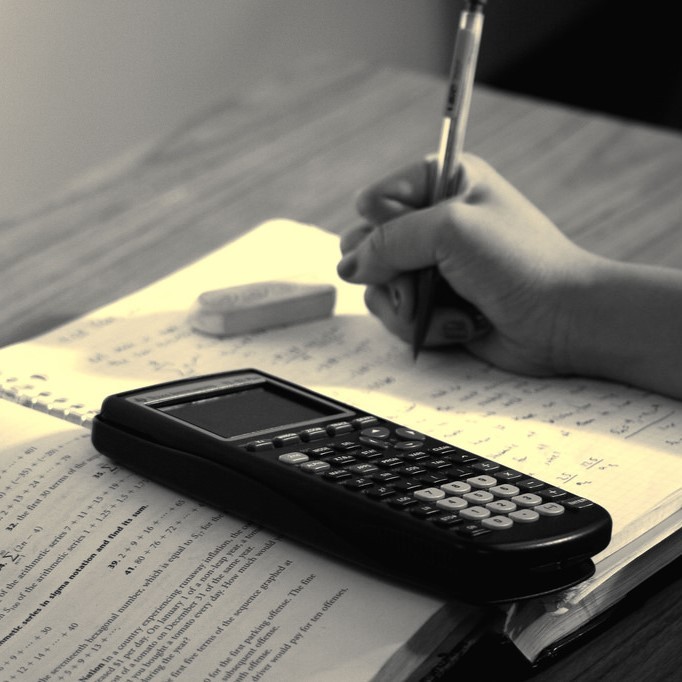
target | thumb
[{"x": 412, "y": 241}]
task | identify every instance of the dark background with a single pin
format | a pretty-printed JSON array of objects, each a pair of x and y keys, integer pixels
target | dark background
[{"x": 621, "y": 58}]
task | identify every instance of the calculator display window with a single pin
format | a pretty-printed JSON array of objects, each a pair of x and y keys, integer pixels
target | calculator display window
[{"x": 256, "y": 409}]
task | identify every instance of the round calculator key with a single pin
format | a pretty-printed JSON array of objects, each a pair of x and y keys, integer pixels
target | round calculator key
[
  {"x": 456, "y": 488},
  {"x": 550, "y": 509},
  {"x": 409, "y": 434},
  {"x": 478, "y": 497},
  {"x": 524, "y": 515},
  {"x": 501, "y": 506},
  {"x": 482, "y": 481},
  {"x": 497, "y": 522},
  {"x": 475, "y": 513},
  {"x": 429, "y": 494},
  {"x": 452, "y": 504},
  {"x": 293, "y": 458},
  {"x": 504, "y": 490},
  {"x": 527, "y": 500},
  {"x": 408, "y": 445},
  {"x": 376, "y": 432}
]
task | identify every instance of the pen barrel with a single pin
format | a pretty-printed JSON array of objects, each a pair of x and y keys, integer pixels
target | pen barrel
[{"x": 456, "y": 114}]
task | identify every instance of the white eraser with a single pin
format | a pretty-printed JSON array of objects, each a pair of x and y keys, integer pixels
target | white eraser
[{"x": 261, "y": 305}]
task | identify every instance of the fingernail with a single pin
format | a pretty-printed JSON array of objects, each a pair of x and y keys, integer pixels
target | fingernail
[{"x": 347, "y": 266}]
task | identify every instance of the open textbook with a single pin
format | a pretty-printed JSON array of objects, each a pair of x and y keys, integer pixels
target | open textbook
[{"x": 159, "y": 587}]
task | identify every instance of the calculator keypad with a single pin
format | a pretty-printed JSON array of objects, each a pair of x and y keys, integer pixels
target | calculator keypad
[{"x": 442, "y": 484}]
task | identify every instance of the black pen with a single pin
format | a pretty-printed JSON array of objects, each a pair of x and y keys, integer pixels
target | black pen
[{"x": 453, "y": 129}]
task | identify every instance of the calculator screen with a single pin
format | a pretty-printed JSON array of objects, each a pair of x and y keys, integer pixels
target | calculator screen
[{"x": 260, "y": 408}]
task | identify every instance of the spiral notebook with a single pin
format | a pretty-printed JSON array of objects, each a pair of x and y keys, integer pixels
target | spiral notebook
[{"x": 590, "y": 437}]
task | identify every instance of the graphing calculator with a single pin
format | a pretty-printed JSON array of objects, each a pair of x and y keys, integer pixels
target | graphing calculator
[{"x": 359, "y": 487}]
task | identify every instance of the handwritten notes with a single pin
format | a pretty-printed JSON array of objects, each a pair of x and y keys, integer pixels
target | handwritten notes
[{"x": 593, "y": 438}]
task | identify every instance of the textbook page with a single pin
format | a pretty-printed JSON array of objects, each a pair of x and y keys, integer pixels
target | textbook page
[
  {"x": 593, "y": 438},
  {"x": 107, "y": 576}
]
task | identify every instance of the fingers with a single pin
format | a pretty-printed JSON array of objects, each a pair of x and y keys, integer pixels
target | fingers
[
  {"x": 352, "y": 237},
  {"x": 397, "y": 194},
  {"x": 412, "y": 241},
  {"x": 393, "y": 304}
]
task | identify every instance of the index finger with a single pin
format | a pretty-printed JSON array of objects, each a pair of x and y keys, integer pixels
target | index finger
[{"x": 401, "y": 192}]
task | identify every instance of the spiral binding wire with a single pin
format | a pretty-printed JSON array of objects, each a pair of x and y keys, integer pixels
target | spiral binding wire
[{"x": 34, "y": 394}]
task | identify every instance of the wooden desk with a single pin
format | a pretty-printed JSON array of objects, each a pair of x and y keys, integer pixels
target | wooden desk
[{"x": 298, "y": 145}]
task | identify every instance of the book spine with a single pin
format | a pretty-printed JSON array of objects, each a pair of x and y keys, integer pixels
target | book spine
[{"x": 35, "y": 394}]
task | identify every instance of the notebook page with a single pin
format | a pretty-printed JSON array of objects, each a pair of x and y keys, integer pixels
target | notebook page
[
  {"x": 107, "y": 576},
  {"x": 596, "y": 439}
]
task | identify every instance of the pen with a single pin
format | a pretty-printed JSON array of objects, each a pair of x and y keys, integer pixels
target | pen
[{"x": 453, "y": 128}]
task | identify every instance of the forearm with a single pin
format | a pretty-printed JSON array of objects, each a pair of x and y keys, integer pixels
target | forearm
[{"x": 625, "y": 324}]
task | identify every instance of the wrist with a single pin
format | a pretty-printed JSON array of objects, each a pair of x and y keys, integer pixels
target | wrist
[{"x": 618, "y": 322}]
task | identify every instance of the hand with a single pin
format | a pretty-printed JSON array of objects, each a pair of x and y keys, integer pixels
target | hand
[{"x": 491, "y": 245}]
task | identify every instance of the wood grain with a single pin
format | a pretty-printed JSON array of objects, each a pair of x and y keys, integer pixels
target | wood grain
[{"x": 299, "y": 145}]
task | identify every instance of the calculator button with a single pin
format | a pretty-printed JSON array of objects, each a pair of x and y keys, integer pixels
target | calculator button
[
  {"x": 409, "y": 434},
  {"x": 415, "y": 456},
  {"x": 501, "y": 506},
  {"x": 475, "y": 513},
  {"x": 527, "y": 500},
  {"x": 550, "y": 509},
  {"x": 385, "y": 476},
  {"x": 446, "y": 520},
  {"x": 293, "y": 458},
  {"x": 346, "y": 446},
  {"x": 358, "y": 483},
  {"x": 409, "y": 484},
  {"x": 437, "y": 464},
  {"x": 286, "y": 439},
  {"x": 577, "y": 503},
  {"x": 452, "y": 503},
  {"x": 315, "y": 467},
  {"x": 524, "y": 515},
  {"x": 260, "y": 445},
  {"x": 530, "y": 484},
  {"x": 368, "y": 453},
  {"x": 460, "y": 457},
  {"x": 434, "y": 479},
  {"x": 319, "y": 452},
  {"x": 342, "y": 460},
  {"x": 337, "y": 428},
  {"x": 402, "y": 501},
  {"x": 363, "y": 468},
  {"x": 389, "y": 462},
  {"x": 429, "y": 494},
  {"x": 423, "y": 510},
  {"x": 408, "y": 445},
  {"x": 485, "y": 466},
  {"x": 412, "y": 470},
  {"x": 374, "y": 442},
  {"x": 337, "y": 475},
  {"x": 379, "y": 492},
  {"x": 552, "y": 493},
  {"x": 376, "y": 432},
  {"x": 456, "y": 488},
  {"x": 504, "y": 490},
  {"x": 497, "y": 523},
  {"x": 313, "y": 433},
  {"x": 478, "y": 497},
  {"x": 362, "y": 422},
  {"x": 472, "y": 530},
  {"x": 508, "y": 475},
  {"x": 482, "y": 481}
]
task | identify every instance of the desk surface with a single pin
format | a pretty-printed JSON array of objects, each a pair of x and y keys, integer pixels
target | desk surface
[{"x": 299, "y": 145}]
